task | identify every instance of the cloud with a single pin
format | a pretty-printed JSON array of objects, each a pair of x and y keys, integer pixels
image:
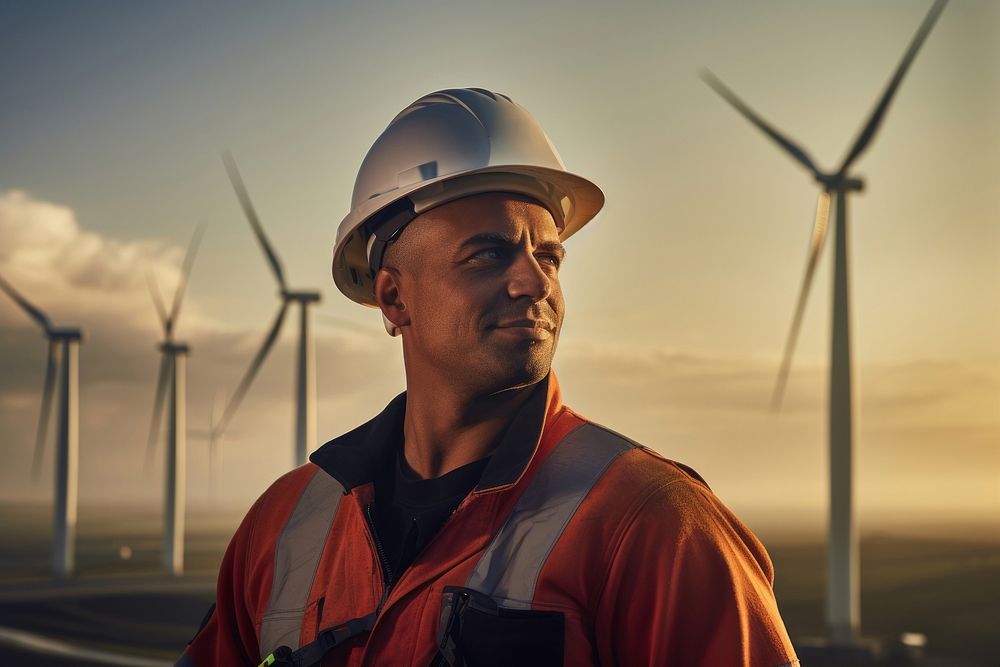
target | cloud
[{"x": 79, "y": 277}]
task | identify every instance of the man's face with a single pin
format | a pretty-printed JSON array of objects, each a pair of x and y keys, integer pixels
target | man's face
[{"x": 479, "y": 278}]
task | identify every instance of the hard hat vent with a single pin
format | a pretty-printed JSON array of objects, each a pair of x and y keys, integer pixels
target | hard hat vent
[
  {"x": 423, "y": 172},
  {"x": 485, "y": 92}
]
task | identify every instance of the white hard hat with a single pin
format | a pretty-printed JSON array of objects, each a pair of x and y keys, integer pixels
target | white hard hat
[{"x": 450, "y": 144}]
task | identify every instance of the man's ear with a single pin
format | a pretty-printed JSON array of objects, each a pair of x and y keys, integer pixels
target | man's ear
[{"x": 389, "y": 299}]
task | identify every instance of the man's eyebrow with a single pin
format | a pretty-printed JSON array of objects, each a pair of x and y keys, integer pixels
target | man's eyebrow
[
  {"x": 508, "y": 240},
  {"x": 488, "y": 237},
  {"x": 553, "y": 246}
]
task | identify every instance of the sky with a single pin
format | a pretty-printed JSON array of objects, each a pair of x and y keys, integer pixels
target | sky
[{"x": 679, "y": 294}]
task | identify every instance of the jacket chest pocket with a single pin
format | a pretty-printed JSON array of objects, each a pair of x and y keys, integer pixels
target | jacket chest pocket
[{"x": 476, "y": 632}]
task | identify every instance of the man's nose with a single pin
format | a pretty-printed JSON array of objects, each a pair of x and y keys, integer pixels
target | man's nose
[{"x": 528, "y": 278}]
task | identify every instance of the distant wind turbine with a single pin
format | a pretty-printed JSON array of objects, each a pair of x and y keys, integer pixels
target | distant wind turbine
[
  {"x": 62, "y": 364},
  {"x": 212, "y": 436},
  {"x": 171, "y": 386},
  {"x": 843, "y": 599},
  {"x": 213, "y": 447},
  {"x": 305, "y": 380}
]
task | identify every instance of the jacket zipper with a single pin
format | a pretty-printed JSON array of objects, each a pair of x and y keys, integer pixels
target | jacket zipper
[
  {"x": 382, "y": 558},
  {"x": 380, "y": 551},
  {"x": 387, "y": 571}
]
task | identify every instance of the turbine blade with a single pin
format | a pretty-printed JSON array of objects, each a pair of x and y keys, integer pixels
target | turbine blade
[
  {"x": 251, "y": 214},
  {"x": 214, "y": 415},
  {"x": 154, "y": 292},
  {"x": 819, "y": 232},
  {"x": 790, "y": 147},
  {"x": 871, "y": 127},
  {"x": 185, "y": 272},
  {"x": 154, "y": 427},
  {"x": 34, "y": 312},
  {"x": 212, "y": 469},
  {"x": 244, "y": 385},
  {"x": 212, "y": 446},
  {"x": 44, "y": 416}
]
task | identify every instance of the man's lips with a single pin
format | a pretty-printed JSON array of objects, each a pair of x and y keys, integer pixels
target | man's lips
[
  {"x": 526, "y": 324},
  {"x": 527, "y": 329}
]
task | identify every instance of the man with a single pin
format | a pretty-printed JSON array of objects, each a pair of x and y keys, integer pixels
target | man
[{"x": 477, "y": 520}]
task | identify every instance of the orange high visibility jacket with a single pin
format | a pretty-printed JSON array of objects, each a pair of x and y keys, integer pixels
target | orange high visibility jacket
[{"x": 578, "y": 547}]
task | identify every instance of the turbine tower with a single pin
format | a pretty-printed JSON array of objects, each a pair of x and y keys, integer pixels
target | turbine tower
[
  {"x": 171, "y": 385},
  {"x": 63, "y": 365},
  {"x": 843, "y": 593},
  {"x": 305, "y": 379}
]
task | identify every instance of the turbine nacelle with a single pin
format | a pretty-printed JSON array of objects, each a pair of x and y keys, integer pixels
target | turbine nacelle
[
  {"x": 172, "y": 347},
  {"x": 301, "y": 297},
  {"x": 840, "y": 183},
  {"x": 64, "y": 333}
]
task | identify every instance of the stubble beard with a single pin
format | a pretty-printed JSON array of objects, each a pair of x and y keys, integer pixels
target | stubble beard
[{"x": 505, "y": 369}]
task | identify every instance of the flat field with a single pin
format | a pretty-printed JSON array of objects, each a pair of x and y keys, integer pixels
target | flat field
[{"x": 948, "y": 590}]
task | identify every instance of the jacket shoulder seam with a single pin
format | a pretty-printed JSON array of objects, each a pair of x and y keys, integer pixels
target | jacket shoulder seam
[{"x": 607, "y": 431}]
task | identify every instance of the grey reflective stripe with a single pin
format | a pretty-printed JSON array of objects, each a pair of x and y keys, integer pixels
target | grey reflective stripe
[
  {"x": 296, "y": 558},
  {"x": 508, "y": 569}
]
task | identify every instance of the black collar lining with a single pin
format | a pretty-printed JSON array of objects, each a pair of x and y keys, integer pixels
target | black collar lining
[{"x": 356, "y": 457}]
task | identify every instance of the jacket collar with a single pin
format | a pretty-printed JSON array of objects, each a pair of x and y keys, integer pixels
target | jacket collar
[{"x": 356, "y": 457}]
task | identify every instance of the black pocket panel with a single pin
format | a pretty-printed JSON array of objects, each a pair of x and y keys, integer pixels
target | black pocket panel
[{"x": 511, "y": 637}]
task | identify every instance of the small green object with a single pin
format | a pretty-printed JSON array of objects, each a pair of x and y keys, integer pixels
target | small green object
[{"x": 269, "y": 660}]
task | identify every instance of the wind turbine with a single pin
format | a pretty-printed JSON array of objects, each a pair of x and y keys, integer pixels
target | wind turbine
[
  {"x": 212, "y": 436},
  {"x": 171, "y": 385},
  {"x": 64, "y": 344},
  {"x": 305, "y": 380},
  {"x": 842, "y": 595}
]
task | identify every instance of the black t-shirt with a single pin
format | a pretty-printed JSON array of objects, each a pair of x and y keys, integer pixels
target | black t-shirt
[{"x": 409, "y": 510}]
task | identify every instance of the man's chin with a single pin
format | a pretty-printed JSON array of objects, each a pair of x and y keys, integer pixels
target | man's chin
[{"x": 516, "y": 373}]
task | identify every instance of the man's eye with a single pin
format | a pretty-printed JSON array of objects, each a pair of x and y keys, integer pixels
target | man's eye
[
  {"x": 488, "y": 254},
  {"x": 554, "y": 260}
]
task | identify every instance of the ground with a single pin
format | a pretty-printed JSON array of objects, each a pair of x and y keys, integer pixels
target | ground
[{"x": 948, "y": 590}]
